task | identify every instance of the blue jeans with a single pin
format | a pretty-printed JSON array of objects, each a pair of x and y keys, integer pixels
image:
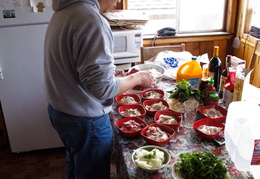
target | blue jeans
[{"x": 88, "y": 143}]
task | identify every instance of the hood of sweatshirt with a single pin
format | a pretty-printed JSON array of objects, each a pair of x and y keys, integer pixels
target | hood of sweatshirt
[{"x": 60, "y": 4}]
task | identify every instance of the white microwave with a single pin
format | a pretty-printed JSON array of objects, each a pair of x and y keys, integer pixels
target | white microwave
[{"x": 127, "y": 45}]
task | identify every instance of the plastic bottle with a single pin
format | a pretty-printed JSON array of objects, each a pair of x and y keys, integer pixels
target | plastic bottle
[
  {"x": 215, "y": 68},
  {"x": 242, "y": 136},
  {"x": 210, "y": 88},
  {"x": 190, "y": 71}
]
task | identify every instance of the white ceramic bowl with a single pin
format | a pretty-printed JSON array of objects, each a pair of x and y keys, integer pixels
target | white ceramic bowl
[
  {"x": 158, "y": 68},
  {"x": 167, "y": 157}
]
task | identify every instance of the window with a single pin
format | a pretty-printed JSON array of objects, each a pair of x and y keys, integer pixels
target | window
[
  {"x": 184, "y": 15},
  {"x": 255, "y": 5}
]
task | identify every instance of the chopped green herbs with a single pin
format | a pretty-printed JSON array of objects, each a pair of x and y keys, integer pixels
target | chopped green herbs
[
  {"x": 200, "y": 165},
  {"x": 183, "y": 91},
  {"x": 150, "y": 156}
]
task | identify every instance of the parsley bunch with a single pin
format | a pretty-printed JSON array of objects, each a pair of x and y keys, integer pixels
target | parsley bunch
[
  {"x": 183, "y": 91},
  {"x": 200, "y": 165}
]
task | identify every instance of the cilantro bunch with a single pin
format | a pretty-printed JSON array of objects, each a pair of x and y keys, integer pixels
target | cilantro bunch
[
  {"x": 183, "y": 91},
  {"x": 200, "y": 165}
]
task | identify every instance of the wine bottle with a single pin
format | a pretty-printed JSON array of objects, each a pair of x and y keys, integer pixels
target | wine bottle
[
  {"x": 224, "y": 75},
  {"x": 215, "y": 68}
]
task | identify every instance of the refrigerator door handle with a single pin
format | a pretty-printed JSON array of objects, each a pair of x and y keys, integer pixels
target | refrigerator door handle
[{"x": 1, "y": 74}]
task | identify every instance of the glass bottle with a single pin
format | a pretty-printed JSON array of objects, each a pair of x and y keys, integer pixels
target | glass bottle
[
  {"x": 210, "y": 88},
  {"x": 215, "y": 68},
  {"x": 224, "y": 75},
  {"x": 213, "y": 98}
]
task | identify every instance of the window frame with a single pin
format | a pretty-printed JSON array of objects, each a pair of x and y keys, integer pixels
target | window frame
[{"x": 228, "y": 28}]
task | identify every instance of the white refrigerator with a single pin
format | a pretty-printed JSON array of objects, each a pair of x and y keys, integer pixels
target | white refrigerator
[{"x": 22, "y": 81}]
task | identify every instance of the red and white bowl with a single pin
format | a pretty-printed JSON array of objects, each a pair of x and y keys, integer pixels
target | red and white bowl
[
  {"x": 131, "y": 133},
  {"x": 222, "y": 110},
  {"x": 178, "y": 116},
  {"x": 150, "y": 102},
  {"x": 139, "y": 107},
  {"x": 208, "y": 122},
  {"x": 144, "y": 94},
  {"x": 168, "y": 130},
  {"x": 134, "y": 96}
]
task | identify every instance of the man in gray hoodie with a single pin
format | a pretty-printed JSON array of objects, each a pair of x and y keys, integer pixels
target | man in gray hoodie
[{"x": 81, "y": 84}]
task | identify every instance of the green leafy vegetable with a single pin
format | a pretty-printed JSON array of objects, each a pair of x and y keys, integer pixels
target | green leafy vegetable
[
  {"x": 183, "y": 91},
  {"x": 200, "y": 165}
]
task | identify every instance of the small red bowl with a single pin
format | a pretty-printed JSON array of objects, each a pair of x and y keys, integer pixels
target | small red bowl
[
  {"x": 130, "y": 133},
  {"x": 167, "y": 129},
  {"x": 145, "y": 97},
  {"x": 135, "y": 96},
  {"x": 218, "y": 108},
  {"x": 139, "y": 107},
  {"x": 168, "y": 112},
  {"x": 153, "y": 101},
  {"x": 208, "y": 122}
]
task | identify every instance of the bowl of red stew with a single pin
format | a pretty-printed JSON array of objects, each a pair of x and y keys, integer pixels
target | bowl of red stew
[{"x": 130, "y": 127}]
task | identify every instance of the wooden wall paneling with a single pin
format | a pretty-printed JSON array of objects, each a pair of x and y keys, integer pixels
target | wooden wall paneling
[
  {"x": 230, "y": 49},
  {"x": 193, "y": 48},
  {"x": 207, "y": 47}
]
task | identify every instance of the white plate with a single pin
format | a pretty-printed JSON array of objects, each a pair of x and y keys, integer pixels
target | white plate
[{"x": 175, "y": 175}]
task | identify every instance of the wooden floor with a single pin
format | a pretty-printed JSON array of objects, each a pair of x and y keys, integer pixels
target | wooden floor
[{"x": 40, "y": 164}]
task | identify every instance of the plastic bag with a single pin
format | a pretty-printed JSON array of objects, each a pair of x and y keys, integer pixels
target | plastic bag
[{"x": 171, "y": 61}]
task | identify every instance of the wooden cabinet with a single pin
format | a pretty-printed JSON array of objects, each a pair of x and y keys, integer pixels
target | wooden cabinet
[{"x": 246, "y": 51}]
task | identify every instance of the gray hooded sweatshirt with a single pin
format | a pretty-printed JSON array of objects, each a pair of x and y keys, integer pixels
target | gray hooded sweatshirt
[{"x": 78, "y": 63}]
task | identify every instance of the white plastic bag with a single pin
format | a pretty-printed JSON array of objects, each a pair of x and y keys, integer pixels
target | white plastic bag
[{"x": 171, "y": 61}]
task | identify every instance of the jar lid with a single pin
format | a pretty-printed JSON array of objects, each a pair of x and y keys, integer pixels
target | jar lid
[
  {"x": 211, "y": 81},
  {"x": 194, "y": 58},
  {"x": 213, "y": 95}
]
